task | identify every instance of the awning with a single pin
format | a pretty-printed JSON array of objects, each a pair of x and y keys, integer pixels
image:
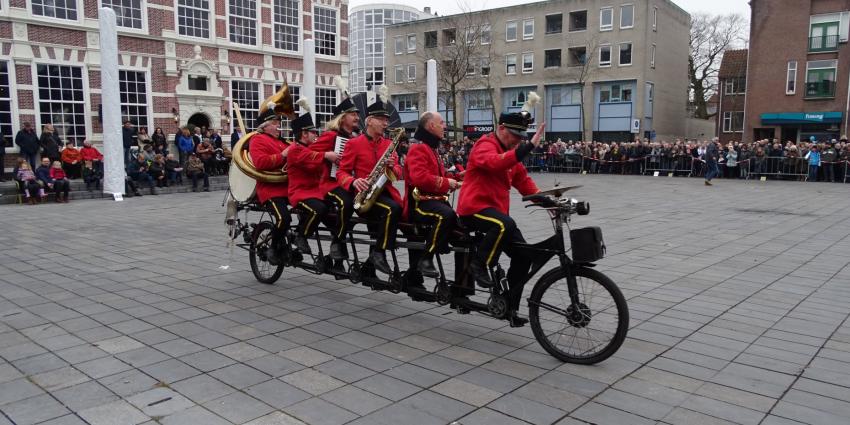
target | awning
[{"x": 801, "y": 118}]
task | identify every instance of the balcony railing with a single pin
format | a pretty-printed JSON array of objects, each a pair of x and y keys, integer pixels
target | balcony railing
[
  {"x": 820, "y": 89},
  {"x": 824, "y": 43}
]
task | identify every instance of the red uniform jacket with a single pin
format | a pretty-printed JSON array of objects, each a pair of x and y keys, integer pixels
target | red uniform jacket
[
  {"x": 423, "y": 168},
  {"x": 490, "y": 173},
  {"x": 326, "y": 142},
  {"x": 359, "y": 158},
  {"x": 91, "y": 154},
  {"x": 266, "y": 155},
  {"x": 307, "y": 173}
]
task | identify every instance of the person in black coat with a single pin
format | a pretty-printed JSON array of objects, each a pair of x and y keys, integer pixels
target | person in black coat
[
  {"x": 50, "y": 143},
  {"x": 130, "y": 138},
  {"x": 27, "y": 141},
  {"x": 235, "y": 138}
]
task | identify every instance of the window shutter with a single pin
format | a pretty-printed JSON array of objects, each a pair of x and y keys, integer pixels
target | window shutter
[{"x": 844, "y": 27}]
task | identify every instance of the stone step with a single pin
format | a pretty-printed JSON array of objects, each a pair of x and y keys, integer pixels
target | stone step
[{"x": 8, "y": 192}]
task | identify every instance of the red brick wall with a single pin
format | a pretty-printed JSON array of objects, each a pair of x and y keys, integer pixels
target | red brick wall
[
  {"x": 159, "y": 20},
  {"x": 94, "y": 79},
  {"x": 25, "y": 99},
  {"x": 53, "y": 35},
  {"x": 244, "y": 58},
  {"x": 187, "y": 51},
  {"x": 91, "y": 8},
  {"x": 18, "y": 3},
  {"x": 5, "y": 29},
  {"x": 140, "y": 45},
  {"x": 221, "y": 28},
  {"x": 23, "y": 74},
  {"x": 328, "y": 68}
]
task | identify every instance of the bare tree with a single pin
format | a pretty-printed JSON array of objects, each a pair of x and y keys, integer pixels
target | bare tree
[
  {"x": 711, "y": 35},
  {"x": 582, "y": 70}
]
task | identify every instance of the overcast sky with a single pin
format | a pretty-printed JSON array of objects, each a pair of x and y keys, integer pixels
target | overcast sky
[{"x": 448, "y": 7}]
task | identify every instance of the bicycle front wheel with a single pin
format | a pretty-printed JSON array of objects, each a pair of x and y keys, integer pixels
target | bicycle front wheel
[
  {"x": 585, "y": 332},
  {"x": 261, "y": 243}
]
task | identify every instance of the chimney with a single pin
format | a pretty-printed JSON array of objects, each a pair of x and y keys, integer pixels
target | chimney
[{"x": 427, "y": 10}]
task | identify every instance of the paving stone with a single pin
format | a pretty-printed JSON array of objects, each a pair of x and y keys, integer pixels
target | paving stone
[
  {"x": 437, "y": 405},
  {"x": 99, "y": 368},
  {"x": 202, "y": 388},
  {"x": 85, "y": 395},
  {"x": 387, "y": 387},
  {"x": 487, "y": 417},
  {"x": 34, "y": 410},
  {"x": 118, "y": 345},
  {"x": 59, "y": 378},
  {"x": 239, "y": 376},
  {"x": 306, "y": 356},
  {"x": 194, "y": 415},
  {"x": 116, "y": 412},
  {"x": 277, "y": 394},
  {"x": 355, "y": 400},
  {"x": 207, "y": 360},
  {"x": 466, "y": 392},
  {"x": 160, "y": 402},
  {"x": 128, "y": 383},
  {"x": 312, "y": 381},
  {"x": 276, "y": 418},
  {"x": 238, "y": 407}
]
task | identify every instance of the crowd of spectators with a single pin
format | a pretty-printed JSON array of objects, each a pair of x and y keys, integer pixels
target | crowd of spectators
[{"x": 147, "y": 158}]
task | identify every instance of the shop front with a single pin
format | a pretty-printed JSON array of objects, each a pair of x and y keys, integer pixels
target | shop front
[{"x": 797, "y": 126}]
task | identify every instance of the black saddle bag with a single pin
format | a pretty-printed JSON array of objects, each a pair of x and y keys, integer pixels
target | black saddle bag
[{"x": 587, "y": 244}]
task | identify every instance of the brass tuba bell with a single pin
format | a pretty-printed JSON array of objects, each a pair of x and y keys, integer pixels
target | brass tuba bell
[{"x": 283, "y": 105}]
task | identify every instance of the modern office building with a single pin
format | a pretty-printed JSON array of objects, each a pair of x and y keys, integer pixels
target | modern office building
[
  {"x": 366, "y": 41},
  {"x": 798, "y": 68},
  {"x": 181, "y": 61},
  {"x": 607, "y": 71}
]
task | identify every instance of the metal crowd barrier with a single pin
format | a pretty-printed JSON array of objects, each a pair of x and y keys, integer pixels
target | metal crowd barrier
[
  {"x": 553, "y": 163},
  {"x": 679, "y": 165},
  {"x": 778, "y": 167}
]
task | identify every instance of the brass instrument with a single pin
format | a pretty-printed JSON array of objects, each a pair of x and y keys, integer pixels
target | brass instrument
[
  {"x": 419, "y": 197},
  {"x": 378, "y": 177},
  {"x": 283, "y": 105}
]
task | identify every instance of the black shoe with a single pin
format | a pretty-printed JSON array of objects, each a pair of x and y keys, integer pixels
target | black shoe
[
  {"x": 516, "y": 321},
  {"x": 206, "y": 189},
  {"x": 480, "y": 274},
  {"x": 426, "y": 267},
  {"x": 338, "y": 251},
  {"x": 379, "y": 260},
  {"x": 302, "y": 245}
]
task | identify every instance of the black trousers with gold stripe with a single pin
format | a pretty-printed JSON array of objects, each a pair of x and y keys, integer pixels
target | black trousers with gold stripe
[
  {"x": 279, "y": 207},
  {"x": 384, "y": 216},
  {"x": 316, "y": 210},
  {"x": 501, "y": 234},
  {"x": 441, "y": 217}
]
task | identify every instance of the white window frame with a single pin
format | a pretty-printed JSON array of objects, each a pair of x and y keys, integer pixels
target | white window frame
[
  {"x": 485, "y": 29},
  {"x": 399, "y": 44},
  {"x": 608, "y": 63},
  {"x": 631, "y": 56},
  {"x": 396, "y": 74},
  {"x": 244, "y": 108},
  {"x": 411, "y": 98},
  {"x": 728, "y": 119},
  {"x": 210, "y": 21},
  {"x": 87, "y": 113},
  {"x": 516, "y": 30},
  {"x": 524, "y": 35},
  {"x": 791, "y": 76},
  {"x": 529, "y": 70},
  {"x": 652, "y": 56},
  {"x": 408, "y": 39},
  {"x": 507, "y": 63},
  {"x": 148, "y": 91},
  {"x": 258, "y": 28},
  {"x": 610, "y": 26},
  {"x": 78, "y": 7},
  {"x": 338, "y": 25},
  {"x": 411, "y": 73},
  {"x": 298, "y": 29},
  {"x": 322, "y": 112},
  {"x": 655, "y": 18},
  {"x": 13, "y": 104},
  {"x": 144, "y": 16},
  {"x": 623, "y": 27}
]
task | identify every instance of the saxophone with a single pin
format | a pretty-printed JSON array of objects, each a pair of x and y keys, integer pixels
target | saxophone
[{"x": 377, "y": 178}]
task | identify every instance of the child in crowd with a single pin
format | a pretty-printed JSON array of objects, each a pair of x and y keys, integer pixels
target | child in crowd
[
  {"x": 61, "y": 184},
  {"x": 29, "y": 181},
  {"x": 157, "y": 171}
]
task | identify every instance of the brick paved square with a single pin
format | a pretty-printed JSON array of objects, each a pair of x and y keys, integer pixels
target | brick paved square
[{"x": 737, "y": 297}]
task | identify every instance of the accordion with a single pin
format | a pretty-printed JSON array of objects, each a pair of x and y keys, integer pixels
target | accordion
[{"x": 338, "y": 148}]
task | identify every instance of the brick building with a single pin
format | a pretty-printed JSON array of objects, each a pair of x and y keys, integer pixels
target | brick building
[
  {"x": 732, "y": 85},
  {"x": 798, "y": 68},
  {"x": 181, "y": 61}
]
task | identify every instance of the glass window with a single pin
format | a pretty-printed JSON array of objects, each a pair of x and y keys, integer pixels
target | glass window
[
  {"x": 791, "y": 80},
  {"x": 820, "y": 78},
  {"x": 134, "y": 97},
  {"x": 193, "y": 18},
  {"x": 399, "y": 74},
  {"x": 243, "y": 21},
  {"x": 411, "y": 72},
  {"x": 485, "y": 34},
  {"x": 627, "y": 16},
  {"x": 127, "y": 12},
  {"x": 733, "y": 121},
  {"x": 197, "y": 83},
  {"x": 510, "y": 64},
  {"x": 247, "y": 95},
  {"x": 399, "y": 45},
  {"x": 324, "y": 30},
  {"x": 407, "y": 102},
  {"x": 411, "y": 43},
  {"x": 325, "y": 102},
  {"x": 655, "y": 19},
  {"x": 652, "y": 56},
  {"x": 510, "y": 31},
  {"x": 62, "y": 101},
  {"x": 553, "y": 58},
  {"x": 285, "y": 17},
  {"x": 6, "y": 135},
  {"x": 285, "y": 124},
  {"x": 478, "y": 99},
  {"x": 60, "y": 9},
  {"x": 430, "y": 39},
  {"x": 527, "y": 63},
  {"x": 823, "y": 36},
  {"x": 578, "y": 20},
  {"x": 735, "y": 86},
  {"x": 554, "y": 24},
  {"x": 625, "y": 54},
  {"x": 605, "y": 55},
  {"x": 606, "y": 19},
  {"x": 528, "y": 29}
]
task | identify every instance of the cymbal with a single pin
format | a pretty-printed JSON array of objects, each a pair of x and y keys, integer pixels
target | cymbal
[{"x": 557, "y": 191}]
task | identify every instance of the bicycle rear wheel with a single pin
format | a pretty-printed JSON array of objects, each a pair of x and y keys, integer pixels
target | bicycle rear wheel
[
  {"x": 584, "y": 333},
  {"x": 261, "y": 242}
]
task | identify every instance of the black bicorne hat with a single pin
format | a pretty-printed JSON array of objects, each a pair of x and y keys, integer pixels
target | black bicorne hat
[
  {"x": 266, "y": 116},
  {"x": 516, "y": 122},
  {"x": 344, "y": 107},
  {"x": 303, "y": 123}
]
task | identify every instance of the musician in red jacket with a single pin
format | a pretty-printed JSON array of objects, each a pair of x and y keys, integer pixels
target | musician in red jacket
[
  {"x": 307, "y": 190},
  {"x": 360, "y": 156},
  {"x": 426, "y": 173},
  {"x": 268, "y": 153},
  {"x": 495, "y": 164}
]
